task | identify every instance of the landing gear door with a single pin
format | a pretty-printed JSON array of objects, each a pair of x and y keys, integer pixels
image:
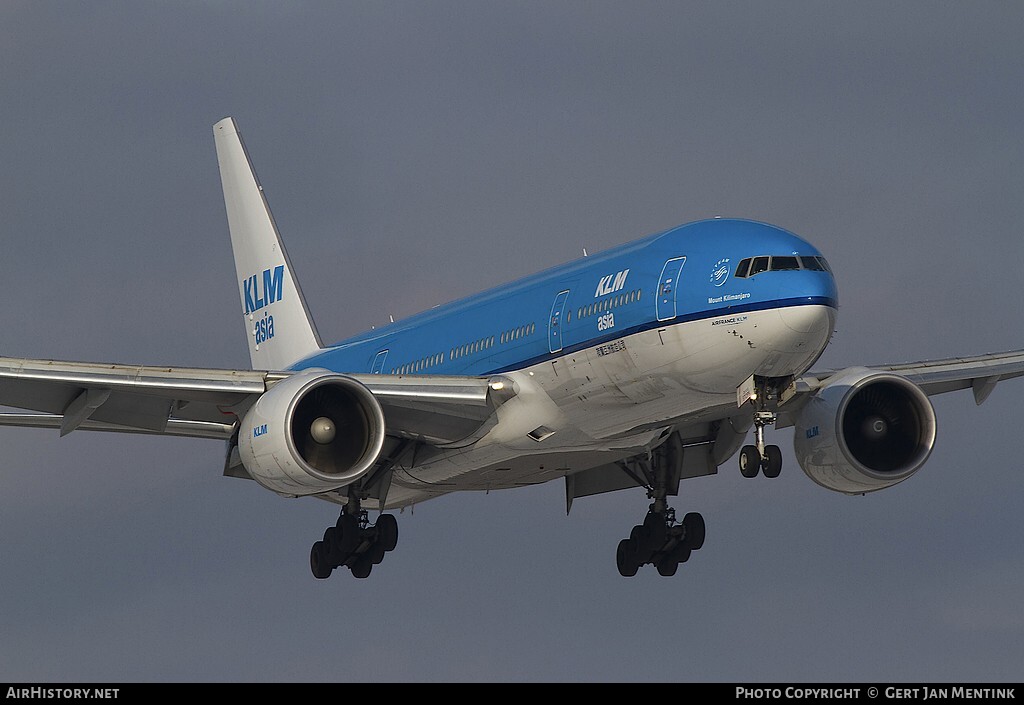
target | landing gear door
[
  {"x": 556, "y": 322},
  {"x": 668, "y": 285}
]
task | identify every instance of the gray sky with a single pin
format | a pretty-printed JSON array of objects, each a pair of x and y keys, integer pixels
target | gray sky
[{"x": 414, "y": 152}]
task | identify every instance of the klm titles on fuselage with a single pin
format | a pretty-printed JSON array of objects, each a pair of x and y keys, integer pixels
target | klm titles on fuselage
[
  {"x": 255, "y": 299},
  {"x": 611, "y": 283}
]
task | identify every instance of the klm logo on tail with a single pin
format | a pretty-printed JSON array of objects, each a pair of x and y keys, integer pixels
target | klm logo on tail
[
  {"x": 273, "y": 288},
  {"x": 257, "y": 298}
]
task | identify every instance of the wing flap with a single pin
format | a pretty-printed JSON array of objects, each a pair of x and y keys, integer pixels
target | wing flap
[{"x": 172, "y": 427}]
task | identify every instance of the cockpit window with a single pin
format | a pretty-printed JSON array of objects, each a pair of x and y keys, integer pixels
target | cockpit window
[
  {"x": 760, "y": 264},
  {"x": 780, "y": 263},
  {"x": 812, "y": 263}
]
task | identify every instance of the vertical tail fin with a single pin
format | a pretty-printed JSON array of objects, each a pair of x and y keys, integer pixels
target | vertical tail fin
[{"x": 277, "y": 320}]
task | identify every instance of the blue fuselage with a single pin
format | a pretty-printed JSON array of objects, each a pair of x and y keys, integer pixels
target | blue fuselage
[{"x": 685, "y": 274}]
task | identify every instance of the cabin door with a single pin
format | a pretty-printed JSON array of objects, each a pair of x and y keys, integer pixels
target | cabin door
[
  {"x": 378, "y": 362},
  {"x": 556, "y": 322},
  {"x": 668, "y": 287}
]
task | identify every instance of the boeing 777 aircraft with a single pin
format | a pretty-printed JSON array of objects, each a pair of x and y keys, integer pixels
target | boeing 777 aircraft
[{"x": 641, "y": 366}]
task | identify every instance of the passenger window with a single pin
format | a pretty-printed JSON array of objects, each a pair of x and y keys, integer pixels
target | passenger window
[{"x": 760, "y": 264}]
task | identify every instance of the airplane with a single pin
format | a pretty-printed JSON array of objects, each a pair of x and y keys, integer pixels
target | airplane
[{"x": 637, "y": 367}]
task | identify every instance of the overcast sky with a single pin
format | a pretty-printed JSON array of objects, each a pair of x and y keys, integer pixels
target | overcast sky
[{"x": 414, "y": 152}]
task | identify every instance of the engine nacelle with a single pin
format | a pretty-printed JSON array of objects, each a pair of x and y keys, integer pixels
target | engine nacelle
[
  {"x": 311, "y": 432},
  {"x": 864, "y": 431}
]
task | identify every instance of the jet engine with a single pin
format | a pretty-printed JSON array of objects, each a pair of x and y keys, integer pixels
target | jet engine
[
  {"x": 864, "y": 431},
  {"x": 311, "y": 432}
]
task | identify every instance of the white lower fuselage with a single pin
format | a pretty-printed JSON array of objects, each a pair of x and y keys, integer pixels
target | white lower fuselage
[{"x": 604, "y": 403}]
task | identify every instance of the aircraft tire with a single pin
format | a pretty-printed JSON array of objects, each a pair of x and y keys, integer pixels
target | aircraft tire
[
  {"x": 771, "y": 464},
  {"x": 318, "y": 561},
  {"x": 332, "y": 547},
  {"x": 348, "y": 537},
  {"x": 625, "y": 559},
  {"x": 667, "y": 566},
  {"x": 387, "y": 531},
  {"x": 641, "y": 544},
  {"x": 362, "y": 566},
  {"x": 750, "y": 461},
  {"x": 657, "y": 531},
  {"x": 695, "y": 530},
  {"x": 375, "y": 553},
  {"x": 681, "y": 553}
]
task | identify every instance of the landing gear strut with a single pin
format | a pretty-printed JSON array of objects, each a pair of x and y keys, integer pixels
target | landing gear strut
[
  {"x": 353, "y": 542},
  {"x": 767, "y": 459}
]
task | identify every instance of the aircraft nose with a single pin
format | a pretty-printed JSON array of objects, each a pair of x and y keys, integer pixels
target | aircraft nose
[{"x": 815, "y": 320}]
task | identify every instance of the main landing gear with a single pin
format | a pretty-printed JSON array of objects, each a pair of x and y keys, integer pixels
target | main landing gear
[
  {"x": 661, "y": 541},
  {"x": 353, "y": 542}
]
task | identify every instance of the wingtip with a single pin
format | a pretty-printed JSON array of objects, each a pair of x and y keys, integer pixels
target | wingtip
[{"x": 225, "y": 125}]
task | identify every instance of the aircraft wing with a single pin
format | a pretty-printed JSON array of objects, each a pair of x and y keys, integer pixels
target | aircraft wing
[
  {"x": 979, "y": 373},
  {"x": 207, "y": 403}
]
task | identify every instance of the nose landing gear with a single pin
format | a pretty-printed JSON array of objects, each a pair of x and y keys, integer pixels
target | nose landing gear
[
  {"x": 767, "y": 459},
  {"x": 766, "y": 396}
]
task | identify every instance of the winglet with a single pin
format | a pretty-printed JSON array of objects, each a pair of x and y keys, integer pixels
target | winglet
[{"x": 277, "y": 320}]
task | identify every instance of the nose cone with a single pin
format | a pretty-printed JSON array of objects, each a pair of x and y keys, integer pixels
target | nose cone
[
  {"x": 811, "y": 323},
  {"x": 816, "y": 321}
]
